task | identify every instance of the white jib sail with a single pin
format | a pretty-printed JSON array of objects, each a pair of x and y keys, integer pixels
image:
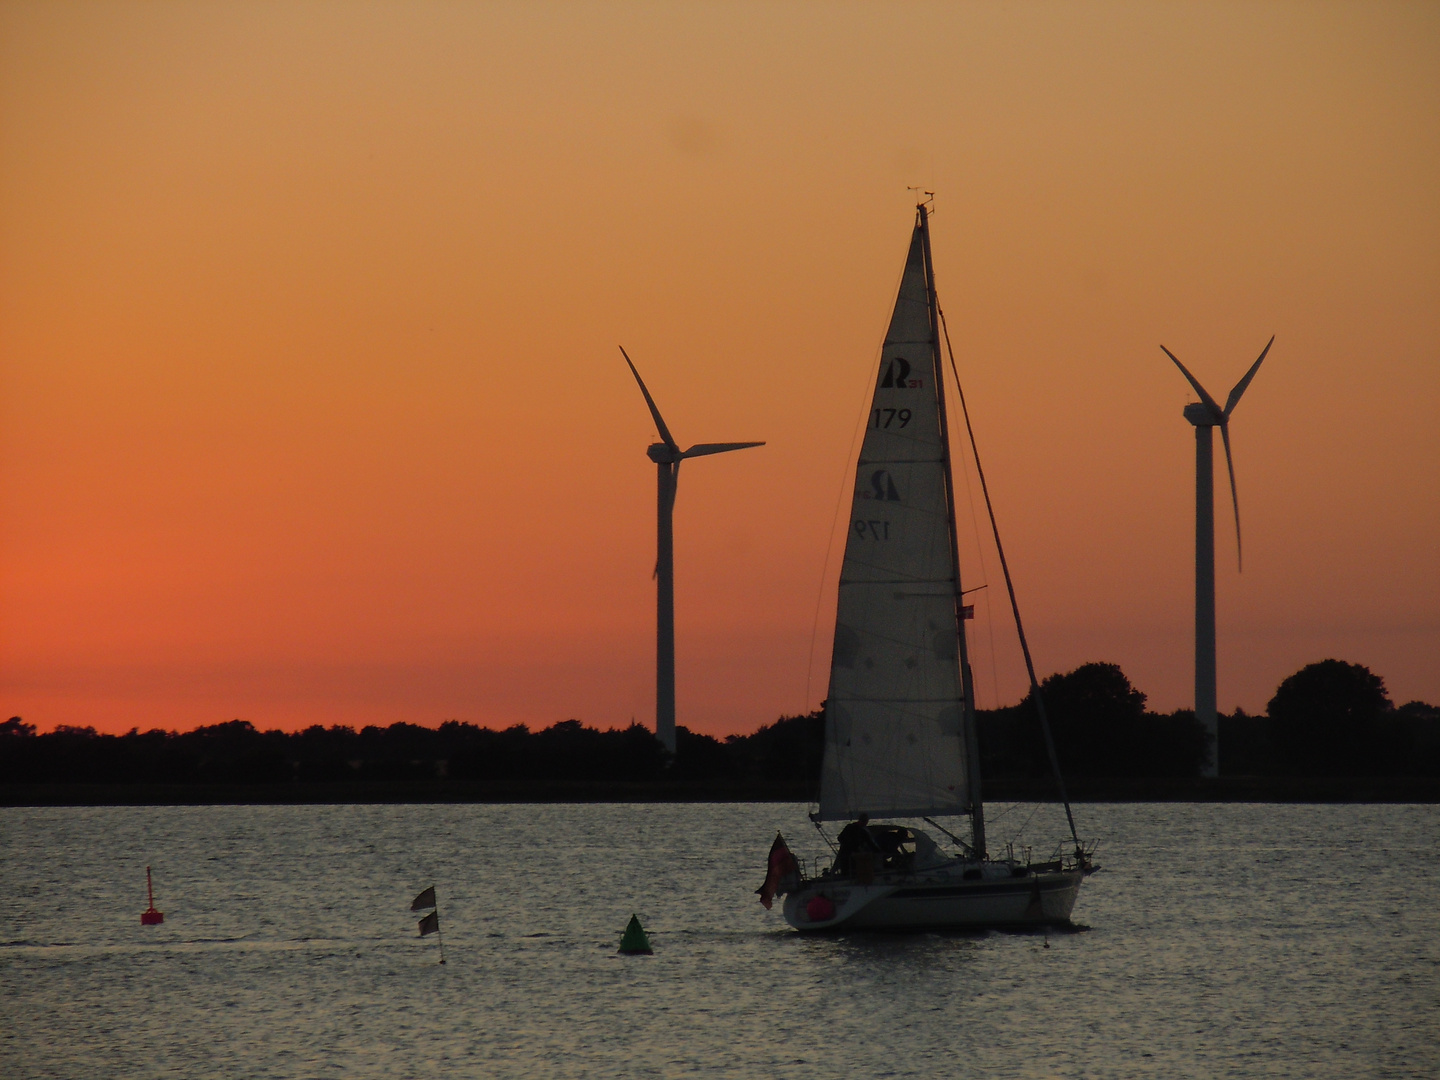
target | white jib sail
[{"x": 893, "y": 725}]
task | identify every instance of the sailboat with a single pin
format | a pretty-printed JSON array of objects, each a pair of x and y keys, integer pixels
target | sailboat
[{"x": 900, "y": 731}]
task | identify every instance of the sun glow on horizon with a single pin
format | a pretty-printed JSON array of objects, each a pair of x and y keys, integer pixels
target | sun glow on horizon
[{"x": 310, "y": 409}]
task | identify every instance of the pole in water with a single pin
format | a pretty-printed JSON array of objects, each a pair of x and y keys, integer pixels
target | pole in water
[
  {"x": 635, "y": 943},
  {"x": 151, "y": 917}
]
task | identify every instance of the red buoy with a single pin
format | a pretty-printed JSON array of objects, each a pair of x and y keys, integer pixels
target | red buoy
[{"x": 150, "y": 917}]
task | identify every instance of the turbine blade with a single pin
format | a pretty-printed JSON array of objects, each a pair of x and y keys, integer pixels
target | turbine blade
[
  {"x": 1234, "y": 495},
  {"x": 704, "y": 448},
  {"x": 1206, "y": 398},
  {"x": 675, "y": 482},
  {"x": 659, "y": 420},
  {"x": 1234, "y": 398}
]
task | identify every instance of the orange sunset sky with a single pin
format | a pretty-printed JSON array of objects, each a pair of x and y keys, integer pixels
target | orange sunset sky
[{"x": 311, "y": 409}]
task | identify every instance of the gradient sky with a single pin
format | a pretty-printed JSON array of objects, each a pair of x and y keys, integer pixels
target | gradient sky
[{"x": 311, "y": 409}]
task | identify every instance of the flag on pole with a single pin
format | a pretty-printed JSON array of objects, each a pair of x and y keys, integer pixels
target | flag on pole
[
  {"x": 967, "y": 611},
  {"x": 781, "y": 873},
  {"x": 430, "y": 924}
]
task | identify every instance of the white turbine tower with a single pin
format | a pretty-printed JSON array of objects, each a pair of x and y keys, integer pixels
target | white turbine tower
[
  {"x": 667, "y": 456},
  {"x": 1206, "y": 415}
]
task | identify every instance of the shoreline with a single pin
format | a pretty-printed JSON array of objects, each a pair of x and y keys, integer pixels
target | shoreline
[{"x": 1239, "y": 789}]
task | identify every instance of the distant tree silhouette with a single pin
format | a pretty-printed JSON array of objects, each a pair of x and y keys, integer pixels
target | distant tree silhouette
[
  {"x": 789, "y": 750},
  {"x": 16, "y": 727},
  {"x": 1244, "y": 744},
  {"x": 1421, "y": 723},
  {"x": 1101, "y": 728},
  {"x": 1330, "y": 718},
  {"x": 1095, "y": 715},
  {"x": 1334, "y": 719}
]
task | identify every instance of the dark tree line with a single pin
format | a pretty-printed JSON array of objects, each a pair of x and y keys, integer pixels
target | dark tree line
[
  {"x": 1328, "y": 719},
  {"x": 1333, "y": 719},
  {"x": 1101, "y": 728},
  {"x": 237, "y": 753}
]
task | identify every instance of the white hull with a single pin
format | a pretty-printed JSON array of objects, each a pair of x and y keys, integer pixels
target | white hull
[{"x": 945, "y": 898}]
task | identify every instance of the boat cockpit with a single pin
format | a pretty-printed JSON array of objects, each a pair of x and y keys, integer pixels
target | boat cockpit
[{"x": 890, "y": 847}]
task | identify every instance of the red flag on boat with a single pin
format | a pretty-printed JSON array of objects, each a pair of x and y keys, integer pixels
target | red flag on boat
[{"x": 780, "y": 874}]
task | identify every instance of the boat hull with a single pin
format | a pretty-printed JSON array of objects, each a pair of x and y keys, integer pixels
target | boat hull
[{"x": 937, "y": 902}]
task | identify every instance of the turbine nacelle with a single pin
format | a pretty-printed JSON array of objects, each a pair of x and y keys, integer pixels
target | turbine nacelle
[
  {"x": 1207, "y": 413},
  {"x": 668, "y": 451},
  {"x": 669, "y": 454},
  {"x": 1201, "y": 415}
]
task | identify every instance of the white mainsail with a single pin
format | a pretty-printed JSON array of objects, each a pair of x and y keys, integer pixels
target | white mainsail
[{"x": 894, "y": 729}]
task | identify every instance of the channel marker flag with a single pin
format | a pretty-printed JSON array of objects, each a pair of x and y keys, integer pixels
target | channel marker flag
[{"x": 430, "y": 924}]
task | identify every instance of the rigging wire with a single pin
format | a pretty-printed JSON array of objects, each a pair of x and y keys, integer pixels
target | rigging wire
[
  {"x": 1010, "y": 587},
  {"x": 1019, "y": 833},
  {"x": 984, "y": 568},
  {"x": 829, "y": 546}
]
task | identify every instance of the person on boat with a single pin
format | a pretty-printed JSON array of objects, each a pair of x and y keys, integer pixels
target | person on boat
[
  {"x": 854, "y": 838},
  {"x": 891, "y": 842}
]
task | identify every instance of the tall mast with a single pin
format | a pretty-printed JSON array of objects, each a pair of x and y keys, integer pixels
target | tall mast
[{"x": 967, "y": 688}]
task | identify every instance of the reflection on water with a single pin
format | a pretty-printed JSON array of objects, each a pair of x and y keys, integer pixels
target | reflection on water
[{"x": 1222, "y": 940}]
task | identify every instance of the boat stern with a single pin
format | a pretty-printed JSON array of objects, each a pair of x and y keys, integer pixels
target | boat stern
[{"x": 820, "y": 905}]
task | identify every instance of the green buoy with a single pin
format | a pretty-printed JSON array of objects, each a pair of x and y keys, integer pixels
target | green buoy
[{"x": 635, "y": 942}]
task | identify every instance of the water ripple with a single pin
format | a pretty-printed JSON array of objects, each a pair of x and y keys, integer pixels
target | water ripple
[{"x": 1283, "y": 941}]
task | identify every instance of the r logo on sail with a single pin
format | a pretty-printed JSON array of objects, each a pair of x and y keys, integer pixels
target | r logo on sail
[
  {"x": 883, "y": 486},
  {"x": 897, "y": 376}
]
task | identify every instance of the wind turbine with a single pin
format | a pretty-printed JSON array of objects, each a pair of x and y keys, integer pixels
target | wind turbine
[
  {"x": 1206, "y": 415},
  {"x": 667, "y": 456}
]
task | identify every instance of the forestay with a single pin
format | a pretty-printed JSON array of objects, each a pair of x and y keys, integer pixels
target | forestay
[{"x": 894, "y": 745}]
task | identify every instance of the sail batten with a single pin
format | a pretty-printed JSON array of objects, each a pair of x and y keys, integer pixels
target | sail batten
[{"x": 895, "y": 713}]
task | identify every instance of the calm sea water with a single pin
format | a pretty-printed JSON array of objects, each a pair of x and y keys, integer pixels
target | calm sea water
[{"x": 1221, "y": 940}]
